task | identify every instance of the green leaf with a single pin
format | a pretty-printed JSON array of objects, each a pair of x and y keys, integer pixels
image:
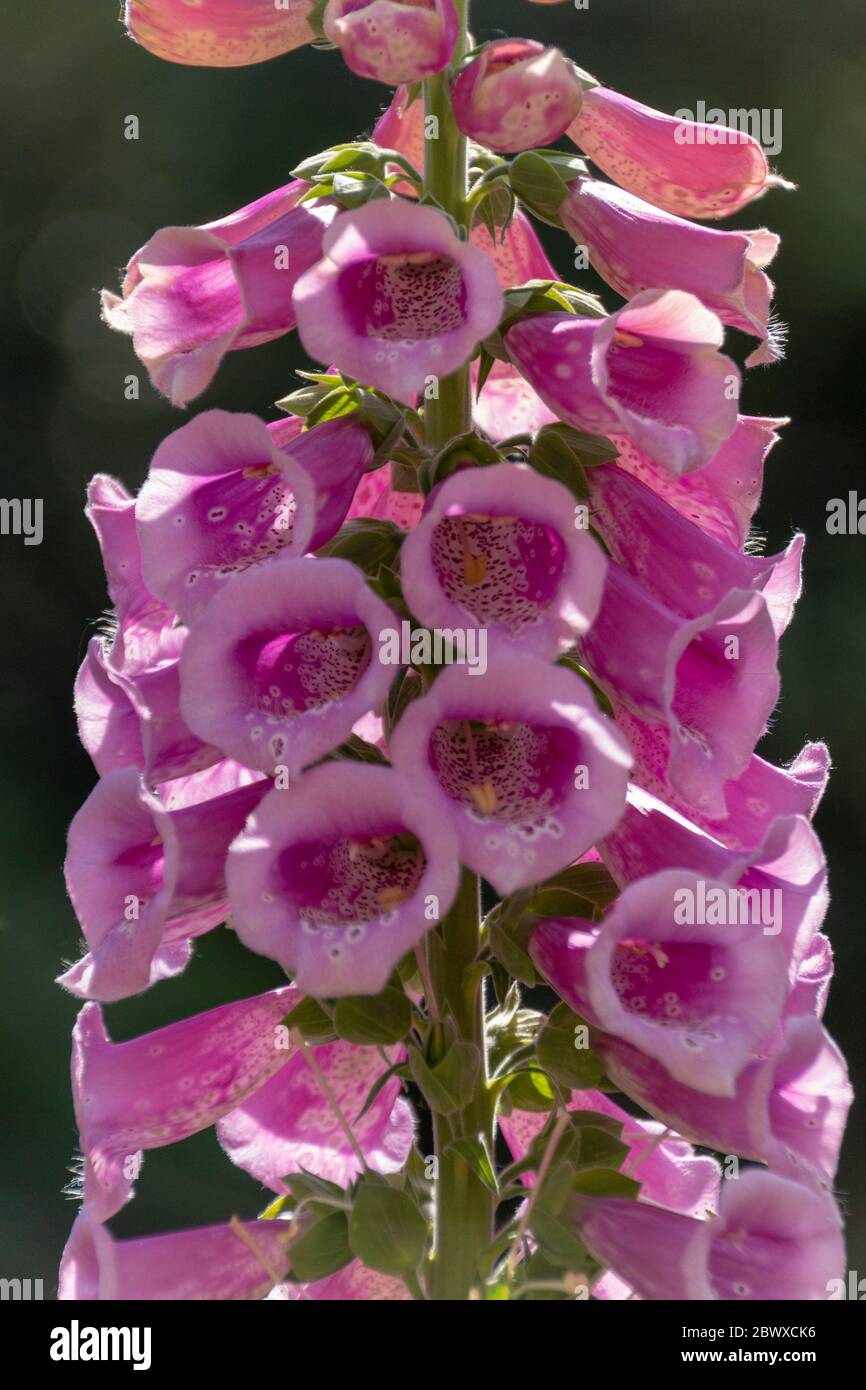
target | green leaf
[
  {"x": 373, "y": 1020},
  {"x": 387, "y": 1232},
  {"x": 476, "y": 1153},
  {"x": 531, "y": 1090},
  {"x": 591, "y": 881},
  {"x": 538, "y": 183},
  {"x": 322, "y": 1250},
  {"x": 450, "y": 1085},
  {"x": 559, "y": 1054},
  {"x": 556, "y": 1241},
  {"x": 512, "y": 955},
  {"x": 558, "y": 902},
  {"x": 551, "y": 456},
  {"x": 310, "y": 1020},
  {"x": 399, "y": 1068},
  {"x": 605, "y": 1182},
  {"x": 366, "y": 543}
]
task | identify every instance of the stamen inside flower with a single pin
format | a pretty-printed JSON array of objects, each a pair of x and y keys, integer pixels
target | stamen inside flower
[
  {"x": 405, "y": 298},
  {"x": 504, "y": 570}
]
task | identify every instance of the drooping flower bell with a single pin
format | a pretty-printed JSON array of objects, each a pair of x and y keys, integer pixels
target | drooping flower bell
[
  {"x": 288, "y": 1126},
  {"x": 163, "y": 1086},
  {"x": 145, "y": 879},
  {"x": 636, "y": 247},
  {"x": 235, "y": 1261},
  {"x": 226, "y": 492},
  {"x": 685, "y": 167},
  {"x": 393, "y": 41},
  {"x": 651, "y": 371},
  {"x": 192, "y": 294},
  {"x": 520, "y": 764},
  {"x": 710, "y": 708},
  {"x": 398, "y": 301},
  {"x": 339, "y": 875},
  {"x": 772, "y": 1239},
  {"x": 516, "y": 94},
  {"x": 285, "y": 660},
  {"x": 498, "y": 548},
  {"x": 699, "y": 997},
  {"x": 722, "y": 497},
  {"x": 219, "y": 33},
  {"x": 671, "y": 1174}
]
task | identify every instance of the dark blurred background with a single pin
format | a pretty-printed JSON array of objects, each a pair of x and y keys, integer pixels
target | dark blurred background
[{"x": 79, "y": 199}]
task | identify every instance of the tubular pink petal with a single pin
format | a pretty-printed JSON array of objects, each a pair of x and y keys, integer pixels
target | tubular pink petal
[
  {"x": 684, "y": 167},
  {"x": 219, "y": 33},
  {"x": 340, "y": 875},
  {"x": 397, "y": 298},
  {"x": 285, "y": 661},
  {"x": 516, "y": 94},
  {"x": 393, "y": 41},
  {"x": 519, "y": 763},
  {"x": 497, "y": 548}
]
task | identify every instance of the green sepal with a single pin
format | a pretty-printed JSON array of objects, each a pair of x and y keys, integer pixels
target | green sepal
[
  {"x": 373, "y": 1020},
  {"x": 577, "y": 1068},
  {"x": 312, "y": 1022},
  {"x": 321, "y": 1250},
  {"x": 387, "y": 1232},
  {"x": 476, "y": 1153},
  {"x": 367, "y": 543},
  {"x": 449, "y": 1086}
]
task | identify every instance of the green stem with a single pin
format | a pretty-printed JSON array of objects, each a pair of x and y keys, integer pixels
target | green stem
[
  {"x": 464, "y": 1205},
  {"x": 445, "y": 179}
]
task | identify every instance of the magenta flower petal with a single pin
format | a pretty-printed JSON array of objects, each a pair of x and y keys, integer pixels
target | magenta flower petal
[
  {"x": 785, "y": 875},
  {"x": 107, "y": 722},
  {"x": 497, "y": 548},
  {"x": 683, "y": 167},
  {"x": 169, "y": 748},
  {"x": 192, "y": 294},
  {"x": 355, "y": 1283},
  {"x": 375, "y": 496},
  {"x": 401, "y": 128},
  {"x": 773, "y": 1239},
  {"x": 393, "y": 41},
  {"x": 212, "y": 1262},
  {"x": 166, "y": 1085},
  {"x": 284, "y": 662},
  {"x": 671, "y": 1174},
  {"x": 336, "y": 456},
  {"x": 675, "y": 561},
  {"x": 220, "y": 496},
  {"x": 144, "y": 879},
  {"x": 635, "y": 247},
  {"x": 516, "y": 94},
  {"x": 146, "y": 632},
  {"x": 651, "y": 371},
  {"x": 517, "y": 252},
  {"x": 397, "y": 298},
  {"x": 341, "y": 874},
  {"x": 508, "y": 405},
  {"x": 675, "y": 672},
  {"x": 219, "y": 33},
  {"x": 520, "y": 763},
  {"x": 697, "y": 997},
  {"x": 787, "y": 1111},
  {"x": 288, "y": 1126},
  {"x": 720, "y": 498}
]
